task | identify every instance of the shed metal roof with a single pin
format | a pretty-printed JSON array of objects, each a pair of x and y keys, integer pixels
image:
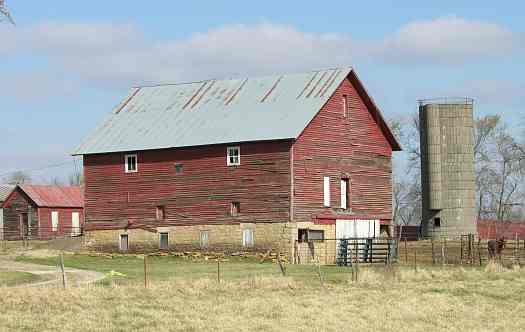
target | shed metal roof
[
  {"x": 214, "y": 112},
  {"x": 5, "y": 190},
  {"x": 54, "y": 196}
]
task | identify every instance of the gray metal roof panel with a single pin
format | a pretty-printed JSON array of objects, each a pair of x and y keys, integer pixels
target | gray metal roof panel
[
  {"x": 214, "y": 112},
  {"x": 5, "y": 190}
]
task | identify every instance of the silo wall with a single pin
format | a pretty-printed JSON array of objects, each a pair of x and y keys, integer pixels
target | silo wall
[{"x": 447, "y": 169}]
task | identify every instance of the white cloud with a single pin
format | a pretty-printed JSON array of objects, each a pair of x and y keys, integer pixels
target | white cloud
[
  {"x": 449, "y": 40},
  {"x": 120, "y": 55}
]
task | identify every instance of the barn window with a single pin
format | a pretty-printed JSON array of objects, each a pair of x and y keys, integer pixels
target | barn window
[
  {"x": 164, "y": 241},
  {"x": 345, "y": 188},
  {"x": 437, "y": 222},
  {"x": 235, "y": 209},
  {"x": 247, "y": 238},
  {"x": 315, "y": 235},
  {"x": 326, "y": 191},
  {"x": 123, "y": 244},
  {"x": 54, "y": 221},
  {"x": 233, "y": 156},
  {"x": 305, "y": 235},
  {"x": 160, "y": 213},
  {"x": 204, "y": 239},
  {"x": 345, "y": 105},
  {"x": 178, "y": 168},
  {"x": 130, "y": 163}
]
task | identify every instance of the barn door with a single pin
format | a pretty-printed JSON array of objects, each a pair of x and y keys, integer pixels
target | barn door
[
  {"x": 75, "y": 223},
  {"x": 24, "y": 225}
]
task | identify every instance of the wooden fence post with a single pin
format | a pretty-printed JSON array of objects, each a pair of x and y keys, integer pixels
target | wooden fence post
[
  {"x": 479, "y": 251},
  {"x": 218, "y": 270},
  {"x": 516, "y": 245},
  {"x": 461, "y": 259},
  {"x": 415, "y": 259},
  {"x": 62, "y": 268},
  {"x": 406, "y": 252},
  {"x": 433, "y": 256},
  {"x": 145, "y": 270}
]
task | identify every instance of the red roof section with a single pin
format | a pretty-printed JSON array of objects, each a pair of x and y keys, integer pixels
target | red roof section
[{"x": 55, "y": 196}]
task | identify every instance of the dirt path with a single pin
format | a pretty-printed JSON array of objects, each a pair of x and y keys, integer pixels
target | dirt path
[{"x": 51, "y": 274}]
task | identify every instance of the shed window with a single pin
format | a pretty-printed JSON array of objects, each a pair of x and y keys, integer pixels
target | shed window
[
  {"x": 437, "y": 222},
  {"x": 345, "y": 105},
  {"x": 54, "y": 221},
  {"x": 130, "y": 161},
  {"x": 235, "y": 209},
  {"x": 204, "y": 239},
  {"x": 326, "y": 191},
  {"x": 247, "y": 237},
  {"x": 164, "y": 241},
  {"x": 160, "y": 213},
  {"x": 233, "y": 156},
  {"x": 123, "y": 244}
]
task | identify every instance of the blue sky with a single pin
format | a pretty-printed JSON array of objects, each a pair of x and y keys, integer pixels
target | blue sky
[{"x": 67, "y": 63}]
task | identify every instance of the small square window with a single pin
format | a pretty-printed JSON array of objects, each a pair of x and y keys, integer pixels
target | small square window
[
  {"x": 160, "y": 213},
  {"x": 233, "y": 157},
  {"x": 123, "y": 245},
  {"x": 302, "y": 235},
  {"x": 235, "y": 209},
  {"x": 178, "y": 168},
  {"x": 164, "y": 241},
  {"x": 130, "y": 161},
  {"x": 204, "y": 239},
  {"x": 54, "y": 221},
  {"x": 247, "y": 238},
  {"x": 437, "y": 222}
]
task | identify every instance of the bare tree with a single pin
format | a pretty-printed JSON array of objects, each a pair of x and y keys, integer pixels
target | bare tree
[
  {"x": 76, "y": 179},
  {"x": 18, "y": 177},
  {"x": 5, "y": 13}
]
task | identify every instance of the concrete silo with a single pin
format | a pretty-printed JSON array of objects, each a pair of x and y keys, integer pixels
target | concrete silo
[{"x": 447, "y": 167}]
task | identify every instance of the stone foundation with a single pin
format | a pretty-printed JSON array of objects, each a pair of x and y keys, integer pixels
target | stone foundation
[{"x": 224, "y": 238}]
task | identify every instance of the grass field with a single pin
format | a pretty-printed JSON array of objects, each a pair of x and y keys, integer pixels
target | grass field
[
  {"x": 13, "y": 278},
  {"x": 184, "y": 295}
]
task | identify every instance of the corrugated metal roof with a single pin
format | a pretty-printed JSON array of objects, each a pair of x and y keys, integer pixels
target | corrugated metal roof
[
  {"x": 5, "y": 190},
  {"x": 214, "y": 112},
  {"x": 54, "y": 196}
]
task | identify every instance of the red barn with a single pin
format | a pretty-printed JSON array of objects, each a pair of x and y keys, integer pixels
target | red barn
[
  {"x": 43, "y": 212},
  {"x": 250, "y": 162}
]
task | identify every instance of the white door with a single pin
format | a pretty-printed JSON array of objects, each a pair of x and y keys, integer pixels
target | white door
[
  {"x": 1, "y": 224},
  {"x": 75, "y": 223}
]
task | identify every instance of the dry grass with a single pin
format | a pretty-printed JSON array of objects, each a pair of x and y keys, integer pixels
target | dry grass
[{"x": 426, "y": 300}]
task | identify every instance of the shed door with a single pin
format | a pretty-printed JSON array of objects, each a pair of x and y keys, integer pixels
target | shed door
[{"x": 75, "y": 223}]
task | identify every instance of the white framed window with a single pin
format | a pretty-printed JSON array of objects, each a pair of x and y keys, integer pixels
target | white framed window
[
  {"x": 247, "y": 237},
  {"x": 233, "y": 155},
  {"x": 54, "y": 221},
  {"x": 205, "y": 237},
  {"x": 326, "y": 191},
  {"x": 123, "y": 243},
  {"x": 164, "y": 241},
  {"x": 345, "y": 105},
  {"x": 130, "y": 163},
  {"x": 345, "y": 187}
]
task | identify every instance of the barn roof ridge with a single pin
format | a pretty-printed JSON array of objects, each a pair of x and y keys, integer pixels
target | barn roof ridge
[{"x": 214, "y": 111}]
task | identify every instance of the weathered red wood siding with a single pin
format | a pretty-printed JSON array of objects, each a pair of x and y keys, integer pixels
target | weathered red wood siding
[
  {"x": 353, "y": 147},
  {"x": 201, "y": 194},
  {"x": 64, "y": 221},
  {"x": 17, "y": 204}
]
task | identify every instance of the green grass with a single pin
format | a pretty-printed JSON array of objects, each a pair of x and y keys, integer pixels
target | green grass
[
  {"x": 12, "y": 278},
  {"x": 161, "y": 268}
]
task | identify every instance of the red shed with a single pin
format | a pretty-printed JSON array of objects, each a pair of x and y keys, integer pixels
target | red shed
[
  {"x": 43, "y": 212},
  {"x": 246, "y": 162}
]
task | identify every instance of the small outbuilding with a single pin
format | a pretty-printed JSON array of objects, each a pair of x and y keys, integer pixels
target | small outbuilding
[
  {"x": 5, "y": 190},
  {"x": 43, "y": 212}
]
